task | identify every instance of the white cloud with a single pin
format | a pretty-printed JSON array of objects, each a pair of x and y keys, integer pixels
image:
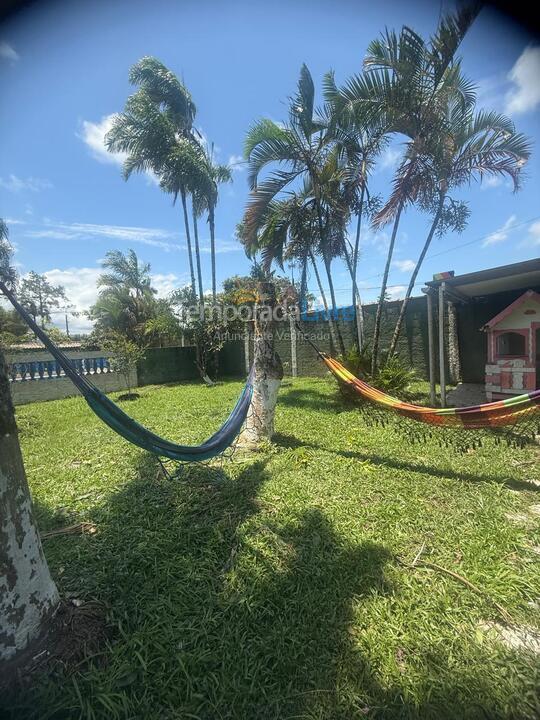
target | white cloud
[
  {"x": 16, "y": 184},
  {"x": 500, "y": 235},
  {"x": 237, "y": 163},
  {"x": 389, "y": 159},
  {"x": 222, "y": 246},
  {"x": 396, "y": 292},
  {"x": 7, "y": 52},
  {"x": 534, "y": 232},
  {"x": 93, "y": 135},
  {"x": 13, "y": 221},
  {"x": 525, "y": 76},
  {"x": 491, "y": 181},
  {"x": 404, "y": 265},
  {"x": 165, "y": 283},
  {"x": 154, "y": 237},
  {"x": 82, "y": 291}
]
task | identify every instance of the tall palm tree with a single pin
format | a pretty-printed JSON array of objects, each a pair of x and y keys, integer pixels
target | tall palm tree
[
  {"x": 156, "y": 131},
  {"x": 219, "y": 174},
  {"x": 406, "y": 86},
  {"x": 471, "y": 147},
  {"x": 299, "y": 148},
  {"x": 359, "y": 144}
]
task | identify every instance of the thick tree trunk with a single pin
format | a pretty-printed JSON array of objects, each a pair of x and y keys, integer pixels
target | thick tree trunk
[
  {"x": 28, "y": 595},
  {"x": 378, "y": 316},
  {"x": 412, "y": 281},
  {"x": 188, "y": 239},
  {"x": 259, "y": 425}
]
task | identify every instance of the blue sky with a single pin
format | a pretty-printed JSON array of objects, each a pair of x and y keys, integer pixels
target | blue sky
[{"x": 63, "y": 73}]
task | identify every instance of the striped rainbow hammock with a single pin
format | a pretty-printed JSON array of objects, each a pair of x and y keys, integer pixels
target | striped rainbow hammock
[{"x": 488, "y": 415}]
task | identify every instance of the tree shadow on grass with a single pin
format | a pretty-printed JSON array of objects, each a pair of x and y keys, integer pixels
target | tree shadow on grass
[
  {"x": 309, "y": 399},
  {"x": 291, "y": 442},
  {"x": 225, "y": 610}
]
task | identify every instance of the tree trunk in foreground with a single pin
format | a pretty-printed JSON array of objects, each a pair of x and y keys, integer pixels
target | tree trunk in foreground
[
  {"x": 259, "y": 425},
  {"x": 28, "y": 595}
]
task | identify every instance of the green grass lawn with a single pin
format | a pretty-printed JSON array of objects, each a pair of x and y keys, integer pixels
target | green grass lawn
[{"x": 270, "y": 588}]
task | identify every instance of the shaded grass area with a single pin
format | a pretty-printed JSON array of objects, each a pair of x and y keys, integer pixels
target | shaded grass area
[{"x": 269, "y": 587}]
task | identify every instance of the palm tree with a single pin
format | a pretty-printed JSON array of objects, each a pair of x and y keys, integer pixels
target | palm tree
[
  {"x": 29, "y": 597},
  {"x": 286, "y": 232},
  {"x": 156, "y": 132},
  {"x": 301, "y": 146},
  {"x": 219, "y": 174},
  {"x": 406, "y": 86},
  {"x": 472, "y": 146},
  {"x": 359, "y": 144},
  {"x": 127, "y": 299}
]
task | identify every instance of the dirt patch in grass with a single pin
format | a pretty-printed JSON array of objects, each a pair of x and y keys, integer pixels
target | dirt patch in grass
[{"x": 75, "y": 633}]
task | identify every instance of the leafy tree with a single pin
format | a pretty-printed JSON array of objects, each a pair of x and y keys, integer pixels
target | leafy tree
[
  {"x": 405, "y": 89},
  {"x": 40, "y": 297},
  {"x": 300, "y": 150},
  {"x": 125, "y": 356},
  {"x": 157, "y": 132},
  {"x": 469, "y": 146},
  {"x": 126, "y": 300}
]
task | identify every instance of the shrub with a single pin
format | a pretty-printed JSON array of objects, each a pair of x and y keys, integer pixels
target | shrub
[{"x": 393, "y": 375}]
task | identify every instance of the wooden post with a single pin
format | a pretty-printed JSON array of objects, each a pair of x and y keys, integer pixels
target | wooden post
[
  {"x": 442, "y": 364},
  {"x": 431, "y": 349},
  {"x": 294, "y": 365}
]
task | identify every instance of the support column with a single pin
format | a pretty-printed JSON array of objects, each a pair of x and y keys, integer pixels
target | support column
[
  {"x": 442, "y": 364},
  {"x": 453, "y": 344},
  {"x": 431, "y": 349}
]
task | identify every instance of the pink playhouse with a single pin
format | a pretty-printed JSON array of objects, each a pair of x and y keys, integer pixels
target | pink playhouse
[{"x": 513, "y": 348}]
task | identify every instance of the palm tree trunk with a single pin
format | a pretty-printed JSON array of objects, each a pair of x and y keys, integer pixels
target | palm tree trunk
[
  {"x": 333, "y": 334},
  {"x": 197, "y": 255},
  {"x": 188, "y": 239},
  {"x": 378, "y": 316},
  {"x": 414, "y": 275},
  {"x": 357, "y": 303},
  {"x": 212, "y": 223},
  {"x": 356, "y": 293},
  {"x": 334, "y": 304},
  {"x": 335, "y": 331},
  {"x": 303, "y": 284},
  {"x": 28, "y": 595}
]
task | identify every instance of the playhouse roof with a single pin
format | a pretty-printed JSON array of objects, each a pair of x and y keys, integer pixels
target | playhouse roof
[{"x": 530, "y": 294}]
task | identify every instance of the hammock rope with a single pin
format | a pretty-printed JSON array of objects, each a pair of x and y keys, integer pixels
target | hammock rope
[
  {"x": 487, "y": 415},
  {"x": 129, "y": 428}
]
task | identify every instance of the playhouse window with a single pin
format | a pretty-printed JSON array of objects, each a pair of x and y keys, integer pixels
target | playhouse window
[{"x": 510, "y": 343}]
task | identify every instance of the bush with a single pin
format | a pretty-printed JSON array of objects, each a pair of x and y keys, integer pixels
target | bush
[{"x": 393, "y": 375}]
